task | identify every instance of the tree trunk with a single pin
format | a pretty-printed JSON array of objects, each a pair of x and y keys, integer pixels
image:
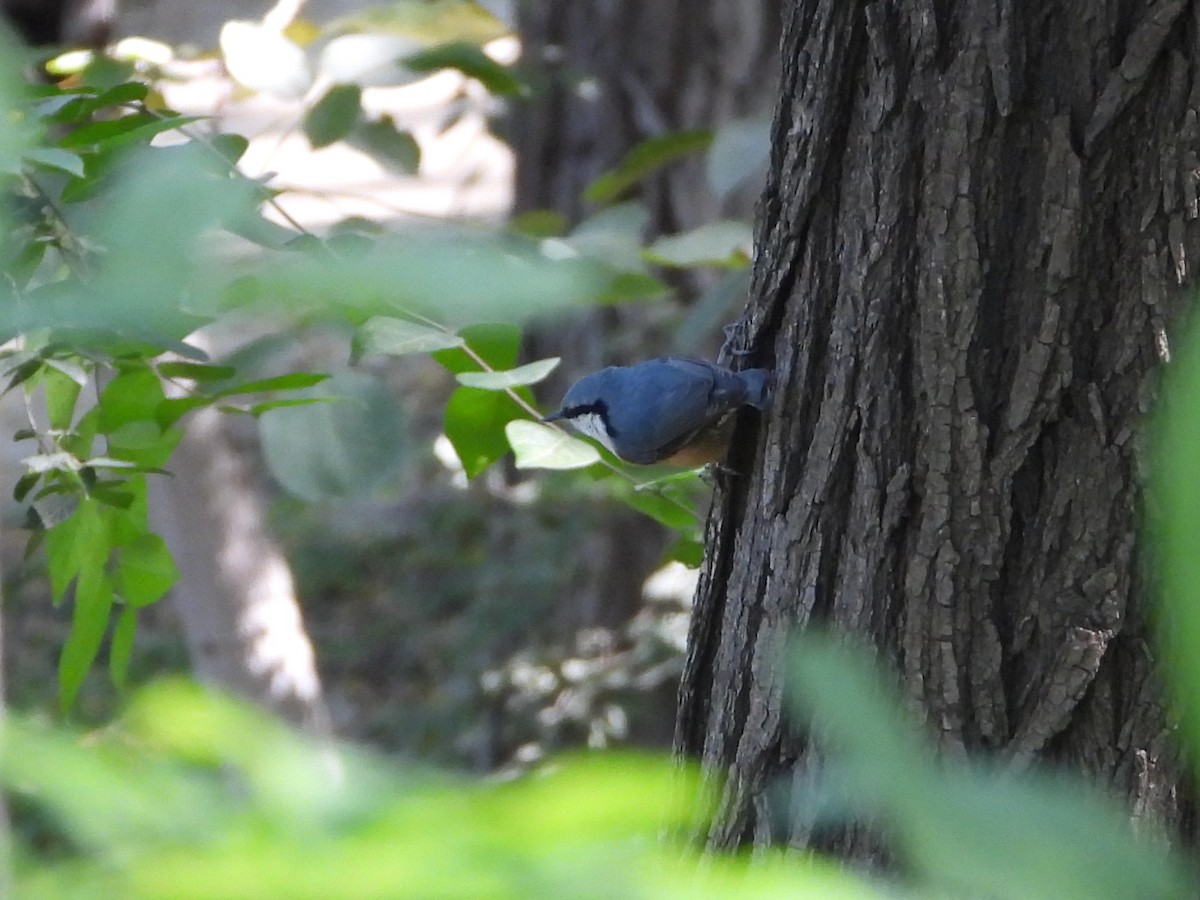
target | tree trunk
[
  {"x": 975, "y": 226},
  {"x": 235, "y": 594},
  {"x": 612, "y": 73}
]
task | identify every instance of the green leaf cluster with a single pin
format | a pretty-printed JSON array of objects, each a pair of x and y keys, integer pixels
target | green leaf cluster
[
  {"x": 122, "y": 244},
  {"x": 195, "y": 796}
]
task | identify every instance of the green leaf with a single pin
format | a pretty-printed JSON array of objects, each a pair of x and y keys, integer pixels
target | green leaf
[
  {"x": 171, "y": 410},
  {"x": 127, "y": 525},
  {"x": 969, "y": 830},
  {"x": 122, "y": 94},
  {"x": 688, "y": 551},
  {"x": 472, "y": 61},
  {"x": 539, "y": 223},
  {"x": 712, "y": 309},
  {"x": 145, "y": 570},
  {"x": 23, "y": 372},
  {"x": 290, "y": 382},
  {"x": 120, "y": 647},
  {"x": 1176, "y": 529},
  {"x": 531, "y": 373},
  {"x": 24, "y": 261},
  {"x": 539, "y": 446},
  {"x": 727, "y": 242},
  {"x": 334, "y": 116},
  {"x": 86, "y": 101},
  {"x": 497, "y": 344},
  {"x": 627, "y": 287},
  {"x": 400, "y": 337},
  {"x": 474, "y": 423},
  {"x": 345, "y": 447},
  {"x": 200, "y": 372},
  {"x": 133, "y": 396},
  {"x": 55, "y": 159},
  {"x": 112, "y": 493},
  {"x": 397, "y": 150},
  {"x": 675, "y": 513},
  {"x": 128, "y": 415},
  {"x": 24, "y": 485},
  {"x": 644, "y": 159},
  {"x": 259, "y": 408},
  {"x": 614, "y": 236},
  {"x": 78, "y": 543},
  {"x": 62, "y": 391},
  {"x": 739, "y": 150},
  {"x": 230, "y": 146},
  {"x": 93, "y": 602},
  {"x": 112, "y": 133}
]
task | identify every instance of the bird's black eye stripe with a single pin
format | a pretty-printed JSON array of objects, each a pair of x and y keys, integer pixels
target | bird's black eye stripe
[
  {"x": 596, "y": 407},
  {"x": 599, "y": 408}
]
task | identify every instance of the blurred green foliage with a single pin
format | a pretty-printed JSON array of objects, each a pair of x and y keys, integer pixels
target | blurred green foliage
[
  {"x": 190, "y": 795},
  {"x": 967, "y": 828},
  {"x": 130, "y": 230},
  {"x": 120, "y": 248},
  {"x": 193, "y": 796},
  {"x": 1174, "y": 514}
]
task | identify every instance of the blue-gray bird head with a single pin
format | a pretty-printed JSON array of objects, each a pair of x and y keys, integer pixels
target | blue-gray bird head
[{"x": 666, "y": 409}]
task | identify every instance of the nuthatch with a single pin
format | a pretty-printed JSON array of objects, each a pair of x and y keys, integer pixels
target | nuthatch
[{"x": 669, "y": 409}]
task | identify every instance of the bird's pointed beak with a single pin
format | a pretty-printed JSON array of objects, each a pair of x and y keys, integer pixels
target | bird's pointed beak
[{"x": 554, "y": 416}]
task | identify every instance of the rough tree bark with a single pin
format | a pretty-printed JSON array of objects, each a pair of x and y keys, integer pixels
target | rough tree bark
[{"x": 975, "y": 226}]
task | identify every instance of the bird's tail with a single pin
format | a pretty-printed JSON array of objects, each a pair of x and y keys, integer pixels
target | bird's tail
[{"x": 758, "y": 387}]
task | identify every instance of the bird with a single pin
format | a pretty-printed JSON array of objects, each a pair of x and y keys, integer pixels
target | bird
[{"x": 668, "y": 410}]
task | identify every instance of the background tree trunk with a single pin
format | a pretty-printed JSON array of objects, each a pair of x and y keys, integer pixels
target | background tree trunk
[
  {"x": 608, "y": 76},
  {"x": 975, "y": 224},
  {"x": 235, "y": 594}
]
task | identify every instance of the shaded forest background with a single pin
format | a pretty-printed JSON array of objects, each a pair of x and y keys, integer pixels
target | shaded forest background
[
  {"x": 481, "y": 622},
  {"x": 501, "y": 627}
]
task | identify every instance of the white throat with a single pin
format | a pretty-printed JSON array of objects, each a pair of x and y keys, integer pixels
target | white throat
[{"x": 591, "y": 425}]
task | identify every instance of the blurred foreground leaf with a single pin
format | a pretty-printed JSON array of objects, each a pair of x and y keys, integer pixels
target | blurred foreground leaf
[
  {"x": 347, "y": 446},
  {"x": 969, "y": 830},
  {"x": 195, "y": 796},
  {"x": 452, "y": 275},
  {"x": 399, "y": 337},
  {"x": 739, "y": 149},
  {"x": 1175, "y": 496}
]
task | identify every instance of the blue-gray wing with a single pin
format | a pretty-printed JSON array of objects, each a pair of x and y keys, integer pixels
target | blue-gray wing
[{"x": 664, "y": 402}]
